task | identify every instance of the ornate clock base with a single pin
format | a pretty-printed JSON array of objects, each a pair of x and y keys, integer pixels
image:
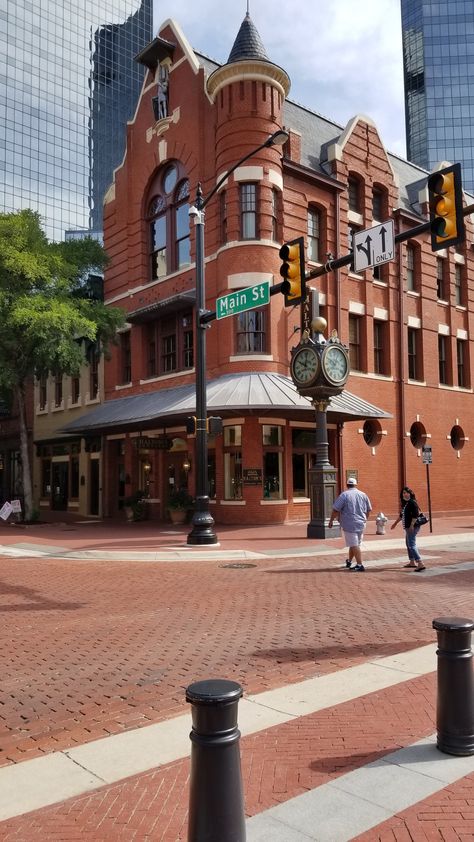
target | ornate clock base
[{"x": 322, "y": 481}]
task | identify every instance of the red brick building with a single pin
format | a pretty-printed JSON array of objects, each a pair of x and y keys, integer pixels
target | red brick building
[{"x": 407, "y": 322}]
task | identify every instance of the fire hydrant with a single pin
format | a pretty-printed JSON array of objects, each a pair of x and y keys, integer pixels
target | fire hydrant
[{"x": 380, "y": 522}]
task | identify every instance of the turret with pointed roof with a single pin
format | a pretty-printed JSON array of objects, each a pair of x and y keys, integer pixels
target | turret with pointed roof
[{"x": 248, "y": 44}]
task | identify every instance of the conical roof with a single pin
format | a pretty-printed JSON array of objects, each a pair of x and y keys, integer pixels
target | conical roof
[{"x": 248, "y": 44}]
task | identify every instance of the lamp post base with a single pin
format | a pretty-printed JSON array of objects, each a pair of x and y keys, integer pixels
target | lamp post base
[{"x": 203, "y": 524}]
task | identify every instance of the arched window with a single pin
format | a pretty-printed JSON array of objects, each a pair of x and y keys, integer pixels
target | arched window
[{"x": 168, "y": 216}]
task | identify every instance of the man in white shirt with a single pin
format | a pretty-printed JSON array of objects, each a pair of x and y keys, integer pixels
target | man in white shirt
[{"x": 352, "y": 509}]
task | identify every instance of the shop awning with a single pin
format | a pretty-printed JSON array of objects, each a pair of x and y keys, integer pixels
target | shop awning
[{"x": 227, "y": 396}]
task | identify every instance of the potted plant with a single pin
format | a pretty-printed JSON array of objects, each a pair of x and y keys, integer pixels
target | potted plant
[
  {"x": 134, "y": 505},
  {"x": 179, "y": 503}
]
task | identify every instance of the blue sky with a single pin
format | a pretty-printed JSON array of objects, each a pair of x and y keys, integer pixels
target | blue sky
[{"x": 343, "y": 57}]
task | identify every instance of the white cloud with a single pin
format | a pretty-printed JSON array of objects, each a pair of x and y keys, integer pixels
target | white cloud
[{"x": 343, "y": 57}]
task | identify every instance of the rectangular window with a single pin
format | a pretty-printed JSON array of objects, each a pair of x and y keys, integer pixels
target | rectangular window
[
  {"x": 74, "y": 476},
  {"x": 233, "y": 462},
  {"x": 272, "y": 436},
  {"x": 251, "y": 336},
  {"x": 354, "y": 197},
  {"x": 442, "y": 363},
  {"x": 458, "y": 291},
  {"x": 168, "y": 353},
  {"x": 45, "y": 477},
  {"x": 43, "y": 391},
  {"x": 354, "y": 343},
  {"x": 169, "y": 344},
  {"x": 75, "y": 389},
  {"x": 411, "y": 280},
  {"x": 248, "y": 211},
  {"x": 158, "y": 247},
  {"x": 440, "y": 286},
  {"x": 126, "y": 357},
  {"x": 183, "y": 243},
  {"x": 94, "y": 374},
  {"x": 58, "y": 389},
  {"x": 413, "y": 356},
  {"x": 313, "y": 235},
  {"x": 377, "y": 206},
  {"x": 379, "y": 361},
  {"x": 460, "y": 353}
]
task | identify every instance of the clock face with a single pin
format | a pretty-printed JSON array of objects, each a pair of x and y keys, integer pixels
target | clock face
[
  {"x": 335, "y": 364},
  {"x": 305, "y": 366}
]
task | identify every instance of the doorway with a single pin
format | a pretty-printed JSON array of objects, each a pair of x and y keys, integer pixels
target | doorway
[
  {"x": 60, "y": 482},
  {"x": 94, "y": 489}
]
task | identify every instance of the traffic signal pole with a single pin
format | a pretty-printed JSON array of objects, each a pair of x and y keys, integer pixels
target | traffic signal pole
[{"x": 338, "y": 262}]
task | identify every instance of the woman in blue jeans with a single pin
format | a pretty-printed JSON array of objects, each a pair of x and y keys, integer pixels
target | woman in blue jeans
[{"x": 408, "y": 515}]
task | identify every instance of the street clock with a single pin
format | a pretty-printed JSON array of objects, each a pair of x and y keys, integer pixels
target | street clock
[
  {"x": 305, "y": 366},
  {"x": 335, "y": 364}
]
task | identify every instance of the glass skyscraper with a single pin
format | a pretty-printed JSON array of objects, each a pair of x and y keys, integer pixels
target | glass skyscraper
[
  {"x": 68, "y": 85},
  {"x": 438, "y": 59}
]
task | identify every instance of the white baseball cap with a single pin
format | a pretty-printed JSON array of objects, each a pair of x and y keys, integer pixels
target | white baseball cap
[{"x": 351, "y": 481}]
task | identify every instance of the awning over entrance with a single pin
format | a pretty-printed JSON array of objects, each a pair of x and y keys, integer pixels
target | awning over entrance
[{"x": 229, "y": 395}]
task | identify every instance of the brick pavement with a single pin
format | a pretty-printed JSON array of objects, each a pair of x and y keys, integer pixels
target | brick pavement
[
  {"x": 277, "y": 764},
  {"x": 92, "y": 649},
  {"x": 95, "y": 649}
]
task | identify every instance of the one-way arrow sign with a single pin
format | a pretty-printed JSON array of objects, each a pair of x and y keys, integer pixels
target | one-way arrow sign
[{"x": 373, "y": 246}]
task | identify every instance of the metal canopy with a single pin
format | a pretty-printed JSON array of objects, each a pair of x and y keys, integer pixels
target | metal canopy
[{"x": 227, "y": 396}]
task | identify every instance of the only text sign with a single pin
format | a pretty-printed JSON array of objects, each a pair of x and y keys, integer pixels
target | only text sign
[
  {"x": 373, "y": 246},
  {"x": 243, "y": 299}
]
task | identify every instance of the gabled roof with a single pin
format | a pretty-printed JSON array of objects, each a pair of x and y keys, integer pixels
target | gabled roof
[{"x": 227, "y": 395}]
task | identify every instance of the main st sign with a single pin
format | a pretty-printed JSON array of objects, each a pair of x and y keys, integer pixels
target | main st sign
[{"x": 243, "y": 299}]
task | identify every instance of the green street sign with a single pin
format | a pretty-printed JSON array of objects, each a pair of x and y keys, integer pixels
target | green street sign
[{"x": 243, "y": 299}]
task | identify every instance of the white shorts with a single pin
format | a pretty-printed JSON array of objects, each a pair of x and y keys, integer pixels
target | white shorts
[{"x": 353, "y": 539}]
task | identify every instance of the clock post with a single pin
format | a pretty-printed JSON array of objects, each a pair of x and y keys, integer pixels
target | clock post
[{"x": 320, "y": 369}]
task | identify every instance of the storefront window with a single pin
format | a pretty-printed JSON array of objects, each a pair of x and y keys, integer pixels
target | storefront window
[
  {"x": 74, "y": 477},
  {"x": 232, "y": 462},
  {"x": 272, "y": 461},
  {"x": 46, "y": 478},
  {"x": 303, "y": 448}
]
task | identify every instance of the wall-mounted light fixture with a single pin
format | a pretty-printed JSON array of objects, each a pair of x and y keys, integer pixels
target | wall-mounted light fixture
[
  {"x": 187, "y": 465},
  {"x": 147, "y": 467}
]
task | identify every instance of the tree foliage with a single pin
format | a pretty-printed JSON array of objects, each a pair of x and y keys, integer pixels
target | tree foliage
[
  {"x": 48, "y": 318},
  {"x": 43, "y": 315}
]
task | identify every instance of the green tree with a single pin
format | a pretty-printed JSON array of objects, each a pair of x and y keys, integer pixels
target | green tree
[{"x": 47, "y": 315}]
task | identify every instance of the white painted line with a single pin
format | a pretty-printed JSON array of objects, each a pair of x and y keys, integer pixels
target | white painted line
[{"x": 114, "y": 758}]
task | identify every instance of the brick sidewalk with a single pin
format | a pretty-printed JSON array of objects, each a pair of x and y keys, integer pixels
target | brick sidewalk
[{"x": 277, "y": 764}]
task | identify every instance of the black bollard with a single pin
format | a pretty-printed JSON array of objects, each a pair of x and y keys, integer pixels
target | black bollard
[
  {"x": 216, "y": 803},
  {"x": 455, "y": 704}
]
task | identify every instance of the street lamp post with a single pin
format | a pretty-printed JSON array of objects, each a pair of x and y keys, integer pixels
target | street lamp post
[{"x": 202, "y": 531}]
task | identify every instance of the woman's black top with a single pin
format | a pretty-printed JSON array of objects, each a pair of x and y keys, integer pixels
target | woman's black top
[{"x": 410, "y": 511}]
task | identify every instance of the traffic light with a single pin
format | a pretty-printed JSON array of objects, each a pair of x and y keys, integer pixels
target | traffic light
[
  {"x": 446, "y": 216},
  {"x": 293, "y": 272}
]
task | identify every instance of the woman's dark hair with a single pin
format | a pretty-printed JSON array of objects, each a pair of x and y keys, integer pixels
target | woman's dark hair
[{"x": 410, "y": 492}]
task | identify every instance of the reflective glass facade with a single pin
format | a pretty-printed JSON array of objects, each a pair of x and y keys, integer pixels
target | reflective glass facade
[
  {"x": 68, "y": 84},
  {"x": 438, "y": 58}
]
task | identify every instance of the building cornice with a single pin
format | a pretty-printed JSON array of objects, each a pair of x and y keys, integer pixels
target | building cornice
[{"x": 256, "y": 71}]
